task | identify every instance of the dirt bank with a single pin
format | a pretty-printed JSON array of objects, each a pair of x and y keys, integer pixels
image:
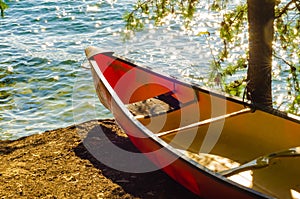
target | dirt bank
[{"x": 57, "y": 164}]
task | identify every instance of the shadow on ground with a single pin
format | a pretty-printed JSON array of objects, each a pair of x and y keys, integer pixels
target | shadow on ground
[{"x": 154, "y": 184}]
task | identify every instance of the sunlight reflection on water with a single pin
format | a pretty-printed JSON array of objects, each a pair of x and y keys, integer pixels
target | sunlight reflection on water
[{"x": 42, "y": 84}]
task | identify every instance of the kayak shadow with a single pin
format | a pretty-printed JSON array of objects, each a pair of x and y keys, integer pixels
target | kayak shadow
[{"x": 96, "y": 148}]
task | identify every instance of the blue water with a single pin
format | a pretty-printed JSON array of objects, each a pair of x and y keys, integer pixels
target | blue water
[
  {"x": 42, "y": 83},
  {"x": 41, "y": 49}
]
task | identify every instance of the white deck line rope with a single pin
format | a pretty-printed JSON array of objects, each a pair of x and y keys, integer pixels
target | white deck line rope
[{"x": 207, "y": 121}]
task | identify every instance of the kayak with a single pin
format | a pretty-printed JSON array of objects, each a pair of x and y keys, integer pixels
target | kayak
[{"x": 215, "y": 145}]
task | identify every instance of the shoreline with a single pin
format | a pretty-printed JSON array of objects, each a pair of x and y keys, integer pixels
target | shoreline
[{"x": 57, "y": 164}]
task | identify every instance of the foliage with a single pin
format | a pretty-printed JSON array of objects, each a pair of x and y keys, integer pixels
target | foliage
[
  {"x": 286, "y": 48},
  {"x": 287, "y": 26},
  {"x": 158, "y": 10},
  {"x": 3, "y": 6},
  {"x": 232, "y": 32}
]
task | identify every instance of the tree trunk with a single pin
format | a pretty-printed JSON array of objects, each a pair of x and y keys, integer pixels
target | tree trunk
[{"x": 261, "y": 30}]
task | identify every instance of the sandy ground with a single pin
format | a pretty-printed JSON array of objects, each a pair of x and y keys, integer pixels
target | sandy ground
[{"x": 58, "y": 164}]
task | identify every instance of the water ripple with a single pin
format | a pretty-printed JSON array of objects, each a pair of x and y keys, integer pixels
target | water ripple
[{"x": 42, "y": 85}]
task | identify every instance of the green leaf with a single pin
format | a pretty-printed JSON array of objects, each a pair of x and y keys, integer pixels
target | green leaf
[{"x": 3, "y": 6}]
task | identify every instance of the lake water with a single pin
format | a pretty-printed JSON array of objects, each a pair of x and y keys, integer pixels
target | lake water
[{"x": 42, "y": 83}]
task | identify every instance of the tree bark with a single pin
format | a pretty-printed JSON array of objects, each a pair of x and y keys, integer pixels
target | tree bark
[{"x": 261, "y": 33}]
